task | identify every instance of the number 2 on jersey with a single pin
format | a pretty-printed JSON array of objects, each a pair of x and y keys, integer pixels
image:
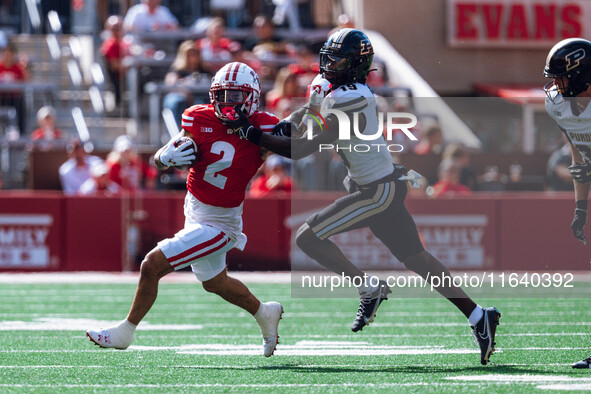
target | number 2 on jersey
[{"x": 212, "y": 171}]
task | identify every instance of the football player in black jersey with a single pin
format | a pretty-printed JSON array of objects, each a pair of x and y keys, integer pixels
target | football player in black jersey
[{"x": 376, "y": 186}]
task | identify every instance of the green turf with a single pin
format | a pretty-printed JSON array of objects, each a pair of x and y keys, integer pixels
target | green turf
[{"x": 65, "y": 361}]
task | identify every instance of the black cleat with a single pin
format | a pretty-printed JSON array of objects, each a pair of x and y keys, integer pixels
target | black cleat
[
  {"x": 586, "y": 363},
  {"x": 484, "y": 332},
  {"x": 368, "y": 305}
]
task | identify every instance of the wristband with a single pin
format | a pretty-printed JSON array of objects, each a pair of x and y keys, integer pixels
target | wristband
[
  {"x": 254, "y": 135},
  {"x": 581, "y": 204}
]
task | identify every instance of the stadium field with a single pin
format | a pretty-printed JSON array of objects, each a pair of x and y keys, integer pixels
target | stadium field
[{"x": 194, "y": 341}]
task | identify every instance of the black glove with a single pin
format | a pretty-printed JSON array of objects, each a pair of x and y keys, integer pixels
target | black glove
[
  {"x": 399, "y": 170},
  {"x": 581, "y": 172},
  {"x": 578, "y": 224},
  {"x": 283, "y": 128},
  {"x": 242, "y": 126}
]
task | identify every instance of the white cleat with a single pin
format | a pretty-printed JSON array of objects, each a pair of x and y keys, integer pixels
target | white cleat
[
  {"x": 270, "y": 314},
  {"x": 110, "y": 338}
]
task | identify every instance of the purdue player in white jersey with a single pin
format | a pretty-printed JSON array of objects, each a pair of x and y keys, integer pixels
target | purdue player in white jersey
[
  {"x": 376, "y": 194},
  {"x": 363, "y": 166},
  {"x": 568, "y": 95}
]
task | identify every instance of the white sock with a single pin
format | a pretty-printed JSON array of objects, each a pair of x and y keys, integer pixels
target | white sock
[
  {"x": 259, "y": 313},
  {"x": 127, "y": 327},
  {"x": 366, "y": 286},
  {"x": 476, "y": 315}
]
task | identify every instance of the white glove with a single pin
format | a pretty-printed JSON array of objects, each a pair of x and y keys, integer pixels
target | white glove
[
  {"x": 318, "y": 90},
  {"x": 413, "y": 177},
  {"x": 178, "y": 153}
]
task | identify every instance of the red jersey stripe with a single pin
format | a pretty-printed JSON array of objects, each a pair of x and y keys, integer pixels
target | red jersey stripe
[
  {"x": 235, "y": 74},
  {"x": 197, "y": 247},
  {"x": 228, "y": 71}
]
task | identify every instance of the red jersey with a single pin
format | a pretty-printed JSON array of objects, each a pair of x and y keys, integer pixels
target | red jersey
[
  {"x": 223, "y": 43},
  {"x": 14, "y": 73},
  {"x": 297, "y": 69},
  {"x": 112, "y": 49},
  {"x": 260, "y": 187},
  {"x": 443, "y": 188},
  {"x": 226, "y": 163},
  {"x": 41, "y": 134},
  {"x": 130, "y": 176}
]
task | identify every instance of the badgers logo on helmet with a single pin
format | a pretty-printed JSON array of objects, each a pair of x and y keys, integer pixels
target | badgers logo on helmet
[{"x": 235, "y": 84}]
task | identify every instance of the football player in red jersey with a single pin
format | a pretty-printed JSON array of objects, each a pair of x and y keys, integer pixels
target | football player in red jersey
[{"x": 216, "y": 186}]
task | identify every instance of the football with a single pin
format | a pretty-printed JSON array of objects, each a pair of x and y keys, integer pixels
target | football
[{"x": 188, "y": 140}]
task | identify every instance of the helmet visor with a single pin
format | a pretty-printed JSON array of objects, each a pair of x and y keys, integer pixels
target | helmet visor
[
  {"x": 332, "y": 62},
  {"x": 230, "y": 96}
]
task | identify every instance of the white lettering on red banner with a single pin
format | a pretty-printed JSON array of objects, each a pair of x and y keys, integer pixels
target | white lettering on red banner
[
  {"x": 23, "y": 241},
  {"x": 456, "y": 240}
]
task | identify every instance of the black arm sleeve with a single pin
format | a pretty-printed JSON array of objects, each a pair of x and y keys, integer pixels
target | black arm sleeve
[{"x": 297, "y": 148}]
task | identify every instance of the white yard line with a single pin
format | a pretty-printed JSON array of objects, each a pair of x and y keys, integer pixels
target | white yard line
[
  {"x": 308, "y": 348},
  {"x": 82, "y": 324},
  {"x": 305, "y": 315},
  {"x": 255, "y": 386},
  {"x": 566, "y": 386},
  {"x": 354, "y": 349},
  {"x": 188, "y": 277},
  {"x": 131, "y": 277},
  {"x": 519, "y": 378},
  {"x": 250, "y": 367},
  {"x": 301, "y": 348},
  {"x": 374, "y": 337}
]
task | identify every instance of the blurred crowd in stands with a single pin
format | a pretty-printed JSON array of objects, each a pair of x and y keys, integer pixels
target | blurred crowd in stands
[
  {"x": 286, "y": 64},
  {"x": 122, "y": 170}
]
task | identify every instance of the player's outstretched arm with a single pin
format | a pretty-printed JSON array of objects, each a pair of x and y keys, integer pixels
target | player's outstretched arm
[
  {"x": 293, "y": 148},
  {"x": 297, "y": 148}
]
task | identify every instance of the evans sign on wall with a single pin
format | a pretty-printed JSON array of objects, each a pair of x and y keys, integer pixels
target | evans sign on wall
[{"x": 516, "y": 23}]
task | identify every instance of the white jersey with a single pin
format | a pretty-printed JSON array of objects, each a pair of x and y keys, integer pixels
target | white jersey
[
  {"x": 139, "y": 19},
  {"x": 366, "y": 160},
  {"x": 228, "y": 220},
  {"x": 576, "y": 127},
  {"x": 72, "y": 176}
]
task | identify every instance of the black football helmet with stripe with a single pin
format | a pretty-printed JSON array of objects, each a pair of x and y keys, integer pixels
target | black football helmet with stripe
[
  {"x": 346, "y": 57},
  {"x": 571, "y": 59}
]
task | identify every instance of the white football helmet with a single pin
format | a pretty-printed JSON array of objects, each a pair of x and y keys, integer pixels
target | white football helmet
[{"x": 235, "y": 83}]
